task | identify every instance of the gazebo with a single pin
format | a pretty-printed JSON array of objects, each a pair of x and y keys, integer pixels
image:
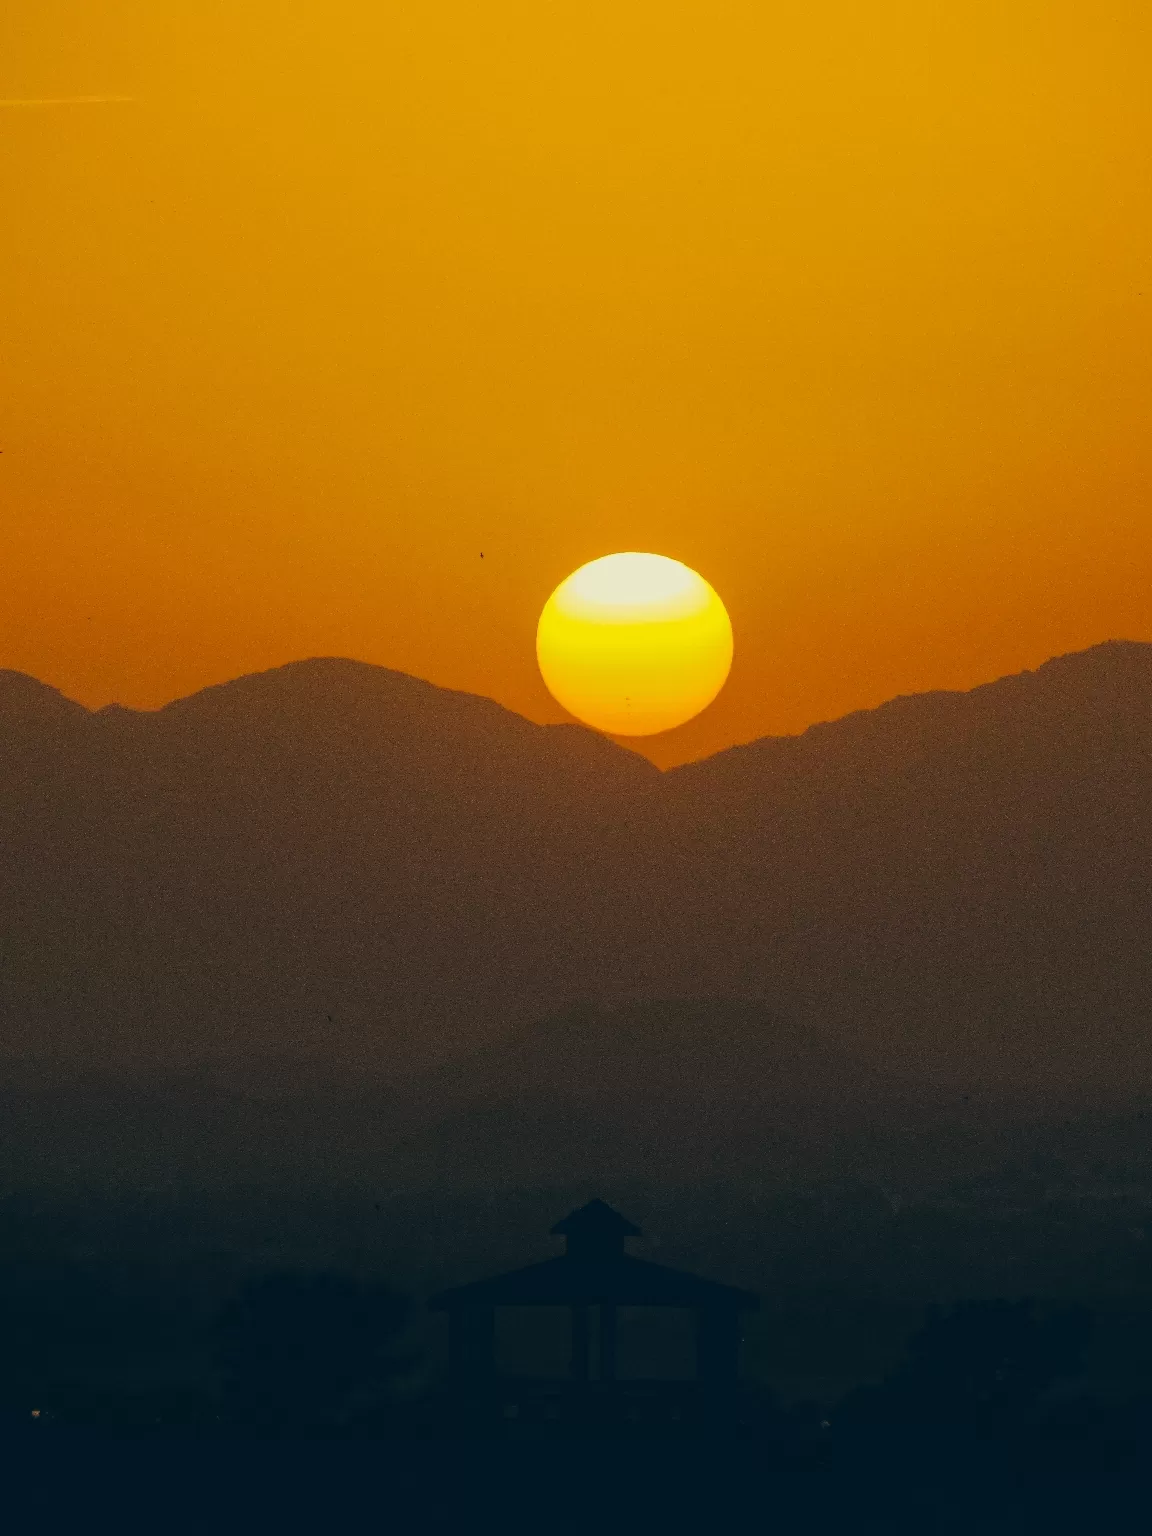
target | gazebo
[{"x": 594, "y": 1274}]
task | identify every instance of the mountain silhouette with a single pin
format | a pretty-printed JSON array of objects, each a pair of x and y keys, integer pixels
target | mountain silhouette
[
  {"x": 328, "y": 855},
  {"x": 330, "y": 917}
]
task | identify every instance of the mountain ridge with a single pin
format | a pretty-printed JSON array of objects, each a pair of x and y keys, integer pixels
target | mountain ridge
[
  {"x": 21, "y": 688},
  {"x": 331, "y": 884}
]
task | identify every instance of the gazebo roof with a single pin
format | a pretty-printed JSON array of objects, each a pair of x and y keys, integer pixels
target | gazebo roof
[
  {"x": 597, "y": 1271},
  {"x": 622, "y": 1280}
]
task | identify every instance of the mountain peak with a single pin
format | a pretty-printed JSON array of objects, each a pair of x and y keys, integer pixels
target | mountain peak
[
  {"x": 316, "y": 680},
  {"x": 348, "y": 701}
]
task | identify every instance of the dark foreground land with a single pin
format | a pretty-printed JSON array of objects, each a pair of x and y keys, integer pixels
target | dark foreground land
[
  {"x": 872, "y": 1482},
  {"x": 316, "y": 1414},
  {"x": 947, "y": 1365}
]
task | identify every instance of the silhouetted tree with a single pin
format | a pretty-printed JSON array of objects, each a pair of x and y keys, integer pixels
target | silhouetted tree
[
  {"x": 985, "y": 1364},
  {"x": 310, "y": 1350}
]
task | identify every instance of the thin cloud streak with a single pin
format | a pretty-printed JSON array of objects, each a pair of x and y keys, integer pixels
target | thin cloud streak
[{"x": 68, "y": 101}]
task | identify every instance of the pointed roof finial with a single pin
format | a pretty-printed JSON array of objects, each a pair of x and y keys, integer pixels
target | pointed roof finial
[{"x": 595, "y": 1229}]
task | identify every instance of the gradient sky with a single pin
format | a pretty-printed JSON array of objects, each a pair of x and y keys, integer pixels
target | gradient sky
[{"x": 844, "y": 304}]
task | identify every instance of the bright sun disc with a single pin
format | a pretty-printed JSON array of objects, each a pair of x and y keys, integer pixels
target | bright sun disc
[{"x": 634, "y": 644}]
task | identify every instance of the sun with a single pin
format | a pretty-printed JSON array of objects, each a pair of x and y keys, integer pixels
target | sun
[{"x": 634, "y": 644}]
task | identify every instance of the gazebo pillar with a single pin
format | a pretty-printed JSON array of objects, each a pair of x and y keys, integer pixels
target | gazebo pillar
[
  {"x": 717, "y": 1344},
  {"x": 472, "y": 1343},
  {"x": 607, "y": 1341},
  {"x": 581, "y": 1344}
]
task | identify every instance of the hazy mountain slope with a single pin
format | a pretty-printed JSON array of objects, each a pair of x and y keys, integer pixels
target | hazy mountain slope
[
  {"x": 680, "y": 1091},
  {"x": 29, "y": 708},
  {"x": 238, "y": 934},
  {"x": 964, "y": 878}
]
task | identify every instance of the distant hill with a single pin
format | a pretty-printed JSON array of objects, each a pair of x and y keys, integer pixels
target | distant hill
[{"x": 330, "y": 916}]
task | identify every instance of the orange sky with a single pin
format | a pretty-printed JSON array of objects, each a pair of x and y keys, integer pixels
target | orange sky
[{"x": 844, "y": 304}]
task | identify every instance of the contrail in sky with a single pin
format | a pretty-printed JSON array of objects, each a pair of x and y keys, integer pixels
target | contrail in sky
[{"x": 67, "y": 101}]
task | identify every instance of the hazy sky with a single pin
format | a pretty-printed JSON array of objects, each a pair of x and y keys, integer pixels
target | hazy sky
[{"x": 844, "y": 304}]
